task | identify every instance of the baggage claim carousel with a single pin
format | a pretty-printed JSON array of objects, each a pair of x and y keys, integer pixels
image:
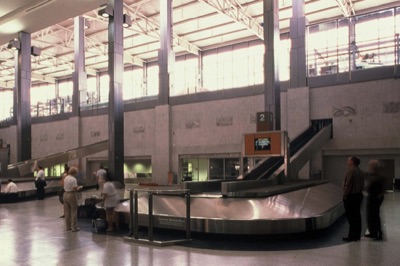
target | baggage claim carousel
[{"x": 282, "y": 209}]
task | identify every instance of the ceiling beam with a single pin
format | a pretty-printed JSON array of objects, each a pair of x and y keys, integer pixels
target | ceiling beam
[
  {"x": 347, "y": 7},
  {"x": 7, "y": 84},
  {"x": 236, "y": 12},
  {"x": 43, "y": 78},
  {"x": 155, "y": 26}
]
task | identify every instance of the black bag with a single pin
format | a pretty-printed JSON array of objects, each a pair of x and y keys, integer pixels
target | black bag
[
  {"x": 93, "y": 200},
  {"x": 86, "y": 211},
  {"x": 40, "y": 183}
]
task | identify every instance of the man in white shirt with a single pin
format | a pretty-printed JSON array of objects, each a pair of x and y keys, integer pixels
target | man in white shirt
[
  {"x": 11, "y": 187},
  {"x": 70, "y": 200}
]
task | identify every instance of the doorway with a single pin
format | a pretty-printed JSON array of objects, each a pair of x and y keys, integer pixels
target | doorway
[{"x": 388, "y": 171}]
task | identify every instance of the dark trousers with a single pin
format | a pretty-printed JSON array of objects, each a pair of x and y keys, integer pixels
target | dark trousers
[
  {"x": 352, "y": 206},
  {"x": 40, "y": 193},
  {"x": 373, "y": 218}
]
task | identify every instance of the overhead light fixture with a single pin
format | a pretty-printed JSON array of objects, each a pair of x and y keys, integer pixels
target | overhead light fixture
[
  {"x": 127, "y": 21},
  {"x": 86, "y": 24},
  {"x": 106, "y": 11},
  {"x": 35, "y": 51},
  {"x": 14, "y": 44}
]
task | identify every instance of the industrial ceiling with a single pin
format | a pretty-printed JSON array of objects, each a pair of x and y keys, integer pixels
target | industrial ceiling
[{"x": 198, "y": 25}]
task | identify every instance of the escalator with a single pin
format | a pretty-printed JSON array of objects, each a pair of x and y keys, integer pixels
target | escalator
[
  {"x": 26, "y": 168},
  {"x": 268, "y": 166}
]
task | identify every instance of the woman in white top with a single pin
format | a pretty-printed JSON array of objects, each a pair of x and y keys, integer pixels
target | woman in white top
[
  {"x": 110, "y": 200},
  {"x": 40, "y": 183}
]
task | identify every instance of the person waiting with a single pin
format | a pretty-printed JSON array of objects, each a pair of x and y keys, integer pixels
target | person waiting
[
  {"x": 10, "y": 193},
  {"x": 71, "y": 200},
  {"x": 11, "y": 187},
  {"x": 110, "y": 200}
]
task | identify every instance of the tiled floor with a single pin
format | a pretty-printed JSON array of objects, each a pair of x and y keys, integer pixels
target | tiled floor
[{"x": 32, "y": 234}]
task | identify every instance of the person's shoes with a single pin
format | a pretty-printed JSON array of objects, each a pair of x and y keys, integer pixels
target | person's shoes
[
  {"x": 370, "y": 235},
  {"x": 349, "y": 239},
  {"x": 62, "y": 216},
  {"x": 76, "y": 229}
]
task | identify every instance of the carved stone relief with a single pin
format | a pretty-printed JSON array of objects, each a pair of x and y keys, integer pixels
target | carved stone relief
[
  {"x": 224, "y": 121},
  {"x": 341, "y": 111},
  {"x": 391, "y": 107},
  {"x": 193, "y": 124}
]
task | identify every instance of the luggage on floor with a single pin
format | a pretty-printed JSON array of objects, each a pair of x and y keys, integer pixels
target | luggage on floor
[
  {"x": 93, "y": 200},
  {"x": 98, "y": 225},
  {"x": 89, "y": 209},
  {"x": 86, "y": 211}
]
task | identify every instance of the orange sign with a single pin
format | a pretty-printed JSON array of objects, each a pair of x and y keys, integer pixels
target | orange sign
[{"x": 268, "y": 143}]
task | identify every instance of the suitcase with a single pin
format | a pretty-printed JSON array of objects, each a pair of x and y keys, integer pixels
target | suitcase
[
  {"x": 98, "y": 225},
  {"x": 89, "y": 209},
  {"x": 86, "y": 211}
]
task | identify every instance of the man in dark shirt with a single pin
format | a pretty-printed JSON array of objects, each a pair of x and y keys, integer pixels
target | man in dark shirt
[
  {"x": 376, "y": 190},
  {"x": 353, "y": 186}
]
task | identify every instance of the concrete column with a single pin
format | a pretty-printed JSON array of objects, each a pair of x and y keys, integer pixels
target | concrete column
[
  {"x": 271, "y": 72},
  {"x": 162, "y": 161},
  {"x": 23, "y": 98},
  {"x": 79, "y": 77},
  {"x": 115, "y": 102},
  {"x": 297, "y": 35},
  {"x": 166, "y": 55}
]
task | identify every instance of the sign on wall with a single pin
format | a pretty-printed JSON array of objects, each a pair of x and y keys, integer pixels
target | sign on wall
[{"x": 268, "y": 143}]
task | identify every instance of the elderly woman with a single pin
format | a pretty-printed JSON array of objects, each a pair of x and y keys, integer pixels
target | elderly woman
[
  {"x": 376, "y": 190},
  {"x": 70, "y": 200}
]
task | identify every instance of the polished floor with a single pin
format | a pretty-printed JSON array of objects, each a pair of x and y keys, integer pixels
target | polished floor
[{"x": 31, "y": 233}]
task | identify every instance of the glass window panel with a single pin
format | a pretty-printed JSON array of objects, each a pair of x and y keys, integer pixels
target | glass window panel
[
  {"x": 240, "y": 67},
  {"x": 92, "y": 90},
  {"x": 216, "y": 169},
  {"x": 284, "y": 58},
  {"x": 6, "y": 104},
  {"x": 375, "y": 35},
  {"x": 224, "y": 65},
  {"x": 256, "y": 64},
  {"x": 152, "y": 80},
  {"x": 179, "y": 79},
  {"x": 210, "y": 73},
  {"x": 191, "y": 74},
  {"x": 322, "y": 49},
  {"x": 137, "y": 83},
  {"x": 104, "y": 88},
  {"x": 128, "y": 93},
  {"x": 232, "y": 167}
]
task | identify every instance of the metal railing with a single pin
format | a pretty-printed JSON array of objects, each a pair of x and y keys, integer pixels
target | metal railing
[{"x": 134, "y": 215}]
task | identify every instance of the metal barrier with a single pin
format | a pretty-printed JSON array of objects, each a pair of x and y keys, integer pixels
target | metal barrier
[{"x": 134, "y": 216}]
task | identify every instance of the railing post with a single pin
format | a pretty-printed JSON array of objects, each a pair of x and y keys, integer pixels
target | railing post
[
  {"x": 131, "y": 224},
  {"x": 187, "y": 194},
  {"x": 150, "y": 216},
  {"x": 136, "y": 221}
]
